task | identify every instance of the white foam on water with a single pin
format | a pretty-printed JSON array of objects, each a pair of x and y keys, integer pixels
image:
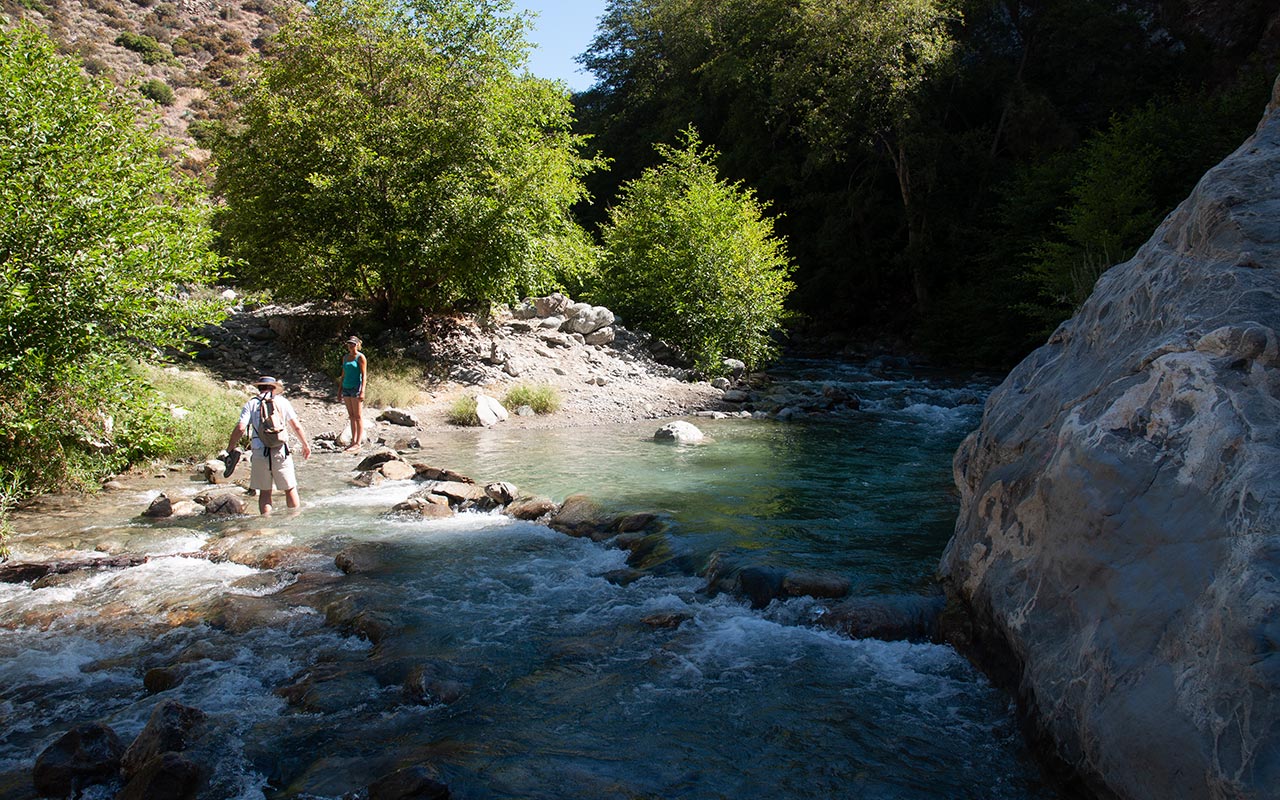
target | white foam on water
[
  {"x": 384, "y": 495},
  {"x": 178, "y": 544}
]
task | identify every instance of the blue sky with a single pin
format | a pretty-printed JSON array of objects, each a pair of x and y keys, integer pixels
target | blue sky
[{"x": 563, "y": 29}]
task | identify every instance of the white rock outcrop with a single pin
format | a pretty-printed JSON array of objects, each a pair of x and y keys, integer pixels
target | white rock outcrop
[{"x": 1119, "y": 530}]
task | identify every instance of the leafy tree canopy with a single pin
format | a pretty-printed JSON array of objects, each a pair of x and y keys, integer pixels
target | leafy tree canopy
[
  {"x": 695, "y": 258},
  {"x": 100, "y": 247},
  {"x": 395, "y": 150}
]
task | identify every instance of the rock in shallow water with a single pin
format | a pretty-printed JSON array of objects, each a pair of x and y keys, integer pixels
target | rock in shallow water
[{"x": 680, "y": 432}]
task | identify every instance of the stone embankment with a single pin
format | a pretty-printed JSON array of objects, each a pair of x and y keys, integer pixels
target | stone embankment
[{"x": 1119, "y": 536}]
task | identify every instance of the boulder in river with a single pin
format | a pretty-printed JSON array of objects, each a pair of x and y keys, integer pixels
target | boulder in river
[
  {"x": 410, "y": 783},
  {"x": 397, "y": 470},
  {"x": 172, "y": 727},
  {"x": 680, "y": 432},
  {"x": 166, "y": 776},
  {"x": 581, "y": 516},
  {"x": 83, "y": 756},
  {"x": 530, "y": 507},
  {"x": 1119, "y": 532}
]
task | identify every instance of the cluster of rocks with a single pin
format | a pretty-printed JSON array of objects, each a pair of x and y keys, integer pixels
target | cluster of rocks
[
  {"x": 155, "y": 766},
  {"x": 169, "y": 760},
  {"x": 225, "y": 503},
  {"x": 759, "y": 397}
]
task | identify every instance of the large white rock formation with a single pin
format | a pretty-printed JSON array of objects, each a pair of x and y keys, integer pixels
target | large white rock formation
[{"x": 1120, "y": 521}]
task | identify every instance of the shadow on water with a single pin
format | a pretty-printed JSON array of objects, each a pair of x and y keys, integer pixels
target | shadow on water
[{"x": 499, "y": 652}]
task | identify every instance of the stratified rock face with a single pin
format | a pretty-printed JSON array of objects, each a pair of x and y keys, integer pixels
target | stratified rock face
[{"x": 1120, "y": 519}]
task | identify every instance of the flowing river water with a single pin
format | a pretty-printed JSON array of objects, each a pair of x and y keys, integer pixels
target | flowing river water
[{"x": 505, "y": 654}]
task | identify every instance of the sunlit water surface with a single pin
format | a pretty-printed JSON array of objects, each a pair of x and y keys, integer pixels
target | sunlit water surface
[{"x": 555, "y": 687}]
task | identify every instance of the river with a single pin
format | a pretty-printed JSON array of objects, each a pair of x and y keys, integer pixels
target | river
[{"x": 506, "y": 656}]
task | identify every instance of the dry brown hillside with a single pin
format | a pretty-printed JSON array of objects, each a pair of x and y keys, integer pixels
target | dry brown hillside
[{"x": 193, "y": 47}]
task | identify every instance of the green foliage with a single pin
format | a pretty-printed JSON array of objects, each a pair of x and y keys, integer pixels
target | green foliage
[
  {"x": 152, "y": 51},
  {"x": 1126, "y": 179},
  {"x": 100, "y": 245},
  {"x": 157, "y": 91},
  {"x": 892, "y": 138},
  {"x": 10, "y": 493},
  {"x": 462, "y": 412},
  {"x": 695, "y": 261},
  {"x": 390, "y": 151},
  {"x": 543, "y": 398}
]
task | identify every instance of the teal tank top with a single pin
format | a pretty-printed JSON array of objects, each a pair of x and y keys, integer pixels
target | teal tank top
[{"x": 351, "y": 373}]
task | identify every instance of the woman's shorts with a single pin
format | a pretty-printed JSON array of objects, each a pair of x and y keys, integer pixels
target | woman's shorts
[
  {"x": 279, "y": 475},
  {"x": 354, "y": 392}
]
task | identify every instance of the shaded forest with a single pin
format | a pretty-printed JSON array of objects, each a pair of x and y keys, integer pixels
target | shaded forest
[{"x": 951, "y": 177}]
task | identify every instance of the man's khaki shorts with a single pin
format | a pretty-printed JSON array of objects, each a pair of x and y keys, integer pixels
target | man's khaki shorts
[{"x": 279, "y": 476}]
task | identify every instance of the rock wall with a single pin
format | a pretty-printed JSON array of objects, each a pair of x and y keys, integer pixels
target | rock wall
[{"x": 1120, "y": 522}]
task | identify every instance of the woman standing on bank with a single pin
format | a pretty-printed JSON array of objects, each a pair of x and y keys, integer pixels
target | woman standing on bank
[{"x": 355, "y": 371}]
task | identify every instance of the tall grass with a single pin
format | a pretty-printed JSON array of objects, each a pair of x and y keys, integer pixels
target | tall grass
[
  {"x": 462, "y": 411},
  {"x": 212, "y": 410},
  {"x": 542, "y": 398},
  {"x": 393, "y": 382}
]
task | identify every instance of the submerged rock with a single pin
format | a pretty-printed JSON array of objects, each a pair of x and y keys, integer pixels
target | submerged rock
[
  {"x": 167, "y": 776},
  {"x": 1119, "y": 531}
]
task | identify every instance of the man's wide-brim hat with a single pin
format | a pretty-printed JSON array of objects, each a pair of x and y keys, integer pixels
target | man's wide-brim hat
[{"x": 267, "y": 382}]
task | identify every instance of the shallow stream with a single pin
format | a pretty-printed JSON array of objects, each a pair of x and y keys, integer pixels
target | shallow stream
[{"x": 505, "y": 656}]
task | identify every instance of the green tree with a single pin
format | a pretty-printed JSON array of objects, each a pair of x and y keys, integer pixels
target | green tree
[
  {"x": 396, "y": 151},
  {"x": 695, "y": 260},
  {"x": 100, "y": 247}
]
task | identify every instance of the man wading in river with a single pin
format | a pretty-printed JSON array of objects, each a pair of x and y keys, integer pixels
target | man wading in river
[{"x": 268, "y": 416}]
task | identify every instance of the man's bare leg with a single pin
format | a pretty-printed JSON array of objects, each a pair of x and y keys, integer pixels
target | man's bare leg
[
  {"x": 291, "y": 497},
  {"x": 264, "y": 501}
]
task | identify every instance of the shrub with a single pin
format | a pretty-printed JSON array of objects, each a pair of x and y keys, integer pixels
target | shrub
[
  {"x": 204, "y": 131},
  {"x": 152, "y": 51},
  {"x": 422, "y": 189},
  {"x": 9, "y": 495},
  {"x": 95, "y": 66},
  {"x": 543, "y": 399},
  {"x": 462, "y": 411},
  {"x": 695, "y": 261},
  {"x": 157, "y": 91}
]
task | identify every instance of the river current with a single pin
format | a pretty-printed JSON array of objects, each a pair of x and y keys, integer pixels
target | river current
[{"x": 508, "y": 655}]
